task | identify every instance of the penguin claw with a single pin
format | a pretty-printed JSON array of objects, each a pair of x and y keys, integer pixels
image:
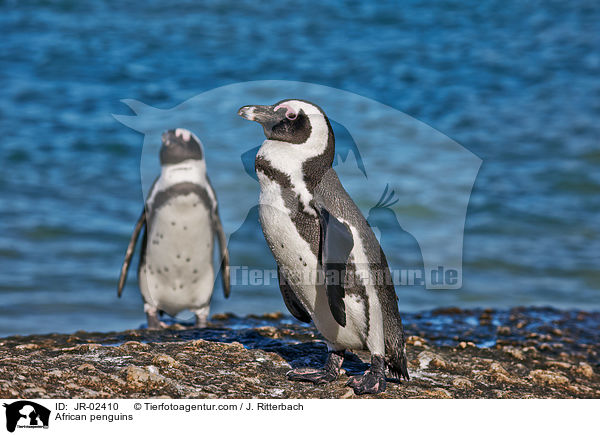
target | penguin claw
[
  {"x": 309, "y": 374},
  {"x": 369, "y": 383},
  {"x": 157, "y": 326},
  {"x": 154, "y": 323}
]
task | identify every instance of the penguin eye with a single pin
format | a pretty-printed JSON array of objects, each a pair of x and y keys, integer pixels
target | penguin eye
[{"x": 291, "y": 115}]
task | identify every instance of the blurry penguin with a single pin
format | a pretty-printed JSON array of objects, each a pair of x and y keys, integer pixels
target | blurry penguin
[{"x": 181, "y": 220}]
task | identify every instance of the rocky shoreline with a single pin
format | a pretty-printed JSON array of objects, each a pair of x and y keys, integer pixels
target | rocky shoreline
[{"x": 453, "y": 353}]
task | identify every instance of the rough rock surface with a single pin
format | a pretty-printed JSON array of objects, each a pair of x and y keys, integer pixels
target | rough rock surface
[{"x": 453, "y": 353}]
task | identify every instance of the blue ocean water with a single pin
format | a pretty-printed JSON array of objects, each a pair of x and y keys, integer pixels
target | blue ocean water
[{"x": 516, "y": 83}]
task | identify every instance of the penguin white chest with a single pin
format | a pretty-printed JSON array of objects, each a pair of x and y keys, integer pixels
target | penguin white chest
[
  {"x": 292, "y": 252},
  {"x": 178, "y": 268},
  {"x": 301, "y": 267}
]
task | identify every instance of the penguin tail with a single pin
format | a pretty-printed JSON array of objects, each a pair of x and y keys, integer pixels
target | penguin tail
[
  {"x": 396, "y": 359},
  {"x": 398, "y": 367}
]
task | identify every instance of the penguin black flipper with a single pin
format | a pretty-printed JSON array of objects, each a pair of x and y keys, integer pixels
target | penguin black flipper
[
  {"x": 224, "y": 253},
  {"x": 292, "y": 303},
  {"x": 335, "y": 247},
  {"x": 141, "y": 222}
]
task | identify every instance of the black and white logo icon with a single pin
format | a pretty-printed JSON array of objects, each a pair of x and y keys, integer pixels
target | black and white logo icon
[{"x": 25, "y": 414}]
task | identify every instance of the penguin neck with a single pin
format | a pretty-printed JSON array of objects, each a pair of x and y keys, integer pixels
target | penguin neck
[
  {"x": 307, "y": 161},
  {"x": 187, "y": 171},
  {"x": 302, "y": 175}
]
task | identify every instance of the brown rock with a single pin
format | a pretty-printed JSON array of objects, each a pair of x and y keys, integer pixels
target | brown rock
[
  {"x": 514, "y": 352},
  {"x": 415, "y": 340},
  {"x": 276, "y": 315},
  {"x": 163, "y": 360},
  {"x": 462, "y": 383},
  {"x": 465, "y": 344},
  {"x": 497, "y": 368},
  {"x": 28, "y": 346},
  {"x": 135, "y": 345},
  {"x": 558, "y": 364},
  {"x": 430, "y": 360},
  {"x": 438, "y": 393},
  {"x": 168, "y": 363},
  {"x": 82, "y": 348},
  {"x": 138, "y": 376},
  {"x": 503, "y": 330},
  {"x": 499, "y": 374},
  {"x": 584, "y": 369},
  {"x": 548, "y": 378},
  {"x": 87, "y": 367},
  {"x": 34, "y": 392}
]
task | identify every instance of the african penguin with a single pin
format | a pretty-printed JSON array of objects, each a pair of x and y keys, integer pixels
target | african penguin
[
  {"x": 181, "y": 219},
  {"x": 331, "y": 267}
]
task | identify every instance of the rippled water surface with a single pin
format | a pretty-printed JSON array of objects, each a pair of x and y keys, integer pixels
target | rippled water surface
[{"x": 516, "y": 83}]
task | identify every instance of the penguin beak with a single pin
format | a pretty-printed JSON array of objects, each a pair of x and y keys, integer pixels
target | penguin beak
[{"x": 264, "y": 115}]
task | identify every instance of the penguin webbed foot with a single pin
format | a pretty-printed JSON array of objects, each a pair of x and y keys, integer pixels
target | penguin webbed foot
[
  {"x": 153, "y": 319},
  {"x": 309, "y": 374},
  {"x": 156, "y": 323},
  {"x": 329, "y": 373},
  {"x": 372, "y": 381}
]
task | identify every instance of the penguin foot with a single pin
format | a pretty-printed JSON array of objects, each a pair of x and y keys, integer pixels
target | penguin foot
[
  {"x": 201, "y": 317},
  {"x": 328, "y": 373},
  {"x": 309, "y": 374},
  {"x": 372, "y": 381},
  {"x": 153, "y": 318},
  {"x": 156, "y": 324}
]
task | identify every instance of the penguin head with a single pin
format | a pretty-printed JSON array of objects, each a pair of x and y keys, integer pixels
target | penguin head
[
  {"x": 298, "y": 123},
  {"x": 179, "y": 145}
]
